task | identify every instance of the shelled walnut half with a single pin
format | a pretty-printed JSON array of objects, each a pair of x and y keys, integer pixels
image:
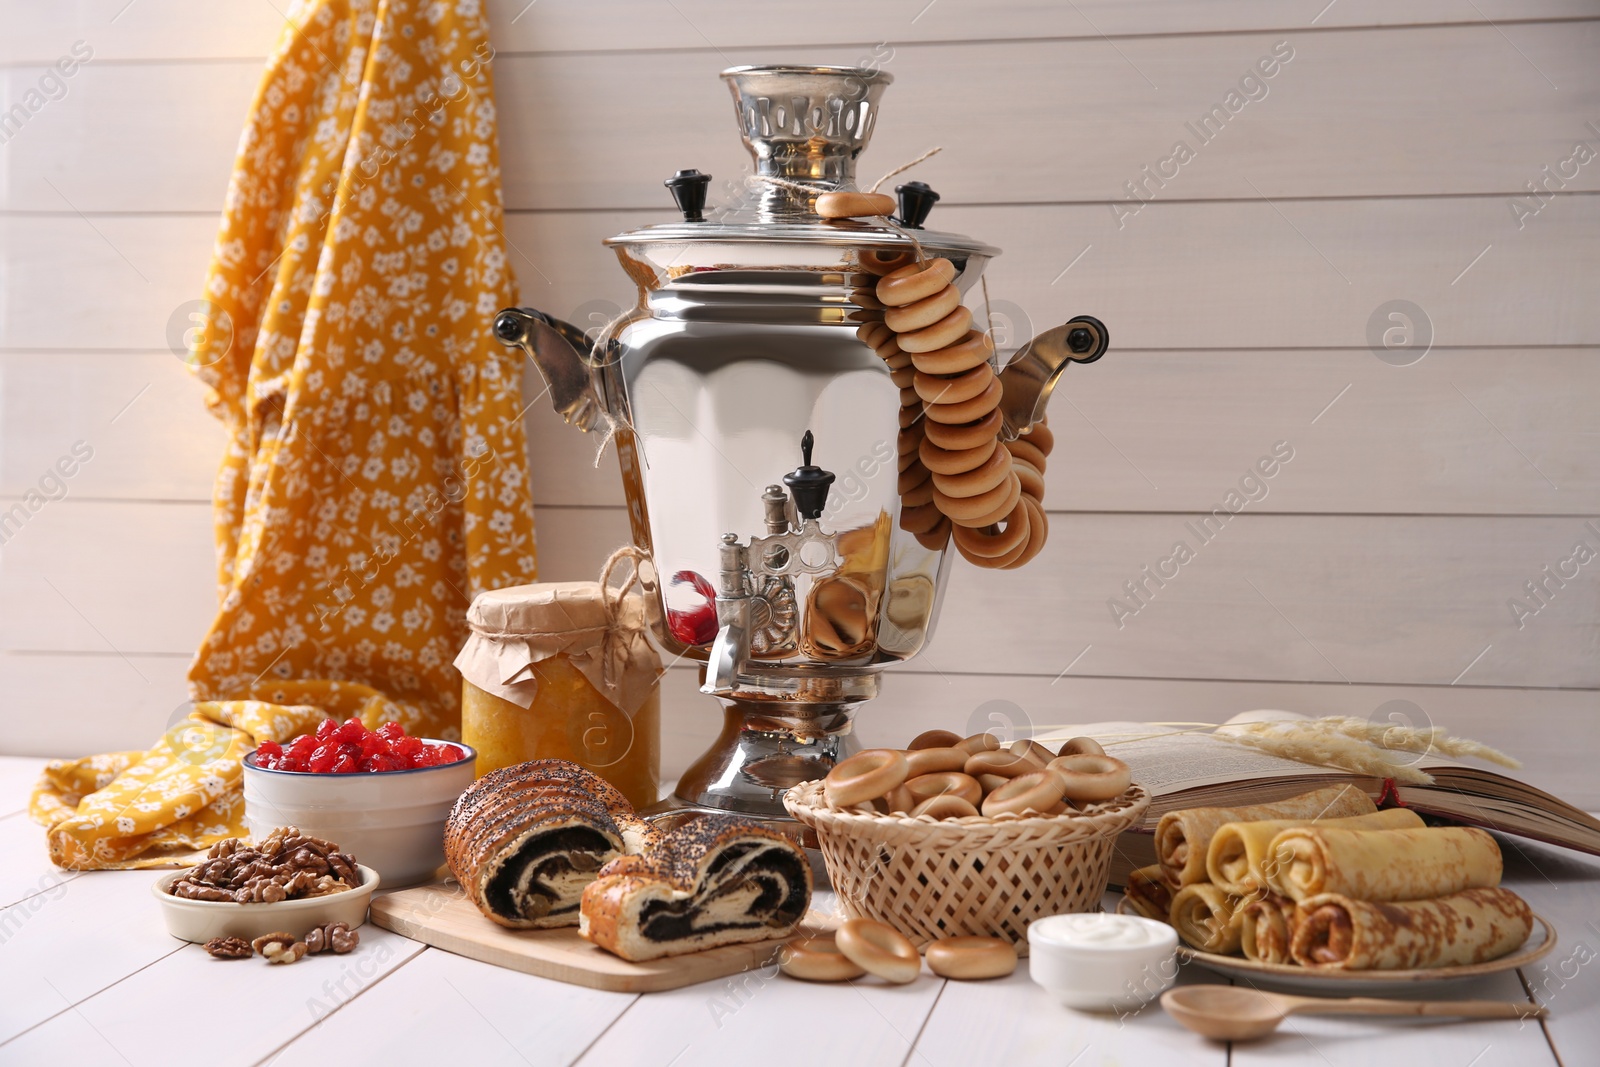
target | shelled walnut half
[{"x": 336, "y": 938}]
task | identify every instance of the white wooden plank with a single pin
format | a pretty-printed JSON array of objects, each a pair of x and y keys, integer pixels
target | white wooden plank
[
  {"x": 1564, "y": 887},
  {"x": 1424, "y": 439},
  {"x": 117, "y": 578},
  {"x": 27, "y": 873},
  {"x": 75, "y": 940},
  {"x": 715, "y": 1023},
  {"x": 1340, "y": 1041},
  {"x": 132, "y": 1019},
  {"x": 1012, "y": 1020},
  {"x": 1318, "y": 127},
  {"x": 206, "y": 29},
  {"x": 17, "y": 774},
  {"x": 491, "y": 1016},
  {"x": 1179, "y": 276},
  {"x": 143, "y": 415},
  {"x": 77, "y": 704},
  {"x": 1332, "y": 599}
]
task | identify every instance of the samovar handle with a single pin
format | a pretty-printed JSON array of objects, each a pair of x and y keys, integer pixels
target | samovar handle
[
  {"x": 1028, "y": 380},
  {"x": 562, "y": 353}
]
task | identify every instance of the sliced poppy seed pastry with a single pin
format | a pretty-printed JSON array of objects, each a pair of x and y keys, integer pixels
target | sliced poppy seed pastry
[
  {"x": 715, "y": 881},
  {"x": 525, "y": 840}
]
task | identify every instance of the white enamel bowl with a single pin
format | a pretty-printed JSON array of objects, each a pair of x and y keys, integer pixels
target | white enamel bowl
[
  {"x": 392, "y": 821},
  {"x": 201, "y": 920}
]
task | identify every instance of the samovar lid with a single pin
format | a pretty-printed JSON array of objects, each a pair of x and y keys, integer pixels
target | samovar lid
[{"x": 805, "y": 128}]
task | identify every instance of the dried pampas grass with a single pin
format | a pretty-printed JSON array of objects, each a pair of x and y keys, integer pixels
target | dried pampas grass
[{"x": 1359, "y": 746}]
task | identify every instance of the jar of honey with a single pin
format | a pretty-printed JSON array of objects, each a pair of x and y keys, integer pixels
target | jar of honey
[{"x": 563, "y": 670}]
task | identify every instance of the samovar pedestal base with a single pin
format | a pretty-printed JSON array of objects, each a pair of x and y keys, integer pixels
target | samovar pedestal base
[{"x": 767, "y": 744}]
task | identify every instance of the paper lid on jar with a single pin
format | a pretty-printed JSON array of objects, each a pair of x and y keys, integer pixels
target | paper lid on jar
[{"x": 600, "y": 629}]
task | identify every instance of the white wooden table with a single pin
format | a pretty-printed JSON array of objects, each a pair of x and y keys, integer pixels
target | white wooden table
[{"x": 89, "y": 976}]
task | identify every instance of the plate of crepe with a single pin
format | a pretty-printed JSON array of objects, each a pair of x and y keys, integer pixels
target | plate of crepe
[
  {"x": 1291, "y": 977},
  {"x": 1322, "y": 892}
]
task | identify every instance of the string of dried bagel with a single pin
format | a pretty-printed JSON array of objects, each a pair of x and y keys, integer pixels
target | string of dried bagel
[{"x": 957, "y": 478}]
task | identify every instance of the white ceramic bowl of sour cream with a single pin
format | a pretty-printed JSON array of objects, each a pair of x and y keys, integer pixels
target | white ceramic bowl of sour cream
[{"x": 1101, "y": 962}]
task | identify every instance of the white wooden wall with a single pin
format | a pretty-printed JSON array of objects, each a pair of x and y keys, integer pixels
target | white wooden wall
[{"x": 1381, "y": 164}]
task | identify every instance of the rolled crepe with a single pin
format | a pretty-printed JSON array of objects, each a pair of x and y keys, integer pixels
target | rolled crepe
[
  {"x": 1334, "y": 932},
  {"x": 1266, "y": 926},
  {"x": 1207, "y": 918},
  {"x": 1382, "y": 864},
  {"x": 1239, "y": 850},
  {"x": 1149, "y": 893},
  {"x": 1182, "y": 837}
]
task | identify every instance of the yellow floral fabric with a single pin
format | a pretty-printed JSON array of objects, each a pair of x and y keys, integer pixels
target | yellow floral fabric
[
  {"x": 375, "y": 476},
  {"x": 146, "y": 809}
]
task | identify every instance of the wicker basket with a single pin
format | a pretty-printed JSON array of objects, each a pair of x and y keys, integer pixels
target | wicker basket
[{"x": 932, "y": 878}]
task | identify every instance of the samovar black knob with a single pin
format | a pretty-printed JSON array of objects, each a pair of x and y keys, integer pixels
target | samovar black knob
[
  {"x": 916, "y": 200},
  {"x": 808, "y": 484},
  {"x": 689, "y": 190}
]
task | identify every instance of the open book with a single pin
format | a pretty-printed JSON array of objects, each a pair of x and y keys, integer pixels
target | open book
[{"x": 1189, "y": 770}]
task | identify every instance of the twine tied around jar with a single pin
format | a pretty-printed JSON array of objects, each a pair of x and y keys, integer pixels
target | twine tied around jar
[{"x": 603, "y": 631}]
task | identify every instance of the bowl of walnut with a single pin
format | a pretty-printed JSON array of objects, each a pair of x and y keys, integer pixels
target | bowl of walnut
[{"x": 290, "y": 882}]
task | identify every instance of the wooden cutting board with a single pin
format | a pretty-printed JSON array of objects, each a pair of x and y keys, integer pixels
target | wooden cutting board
[{"x": 440, "y": 915}]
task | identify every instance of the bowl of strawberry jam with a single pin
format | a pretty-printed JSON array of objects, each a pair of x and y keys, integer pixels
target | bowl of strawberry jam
[{"x": 382, "y": 794}]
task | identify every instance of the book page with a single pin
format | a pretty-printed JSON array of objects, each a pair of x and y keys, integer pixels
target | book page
[{"x": 1165, "y": 759}]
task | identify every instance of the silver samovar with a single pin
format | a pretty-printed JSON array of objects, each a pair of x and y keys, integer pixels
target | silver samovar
[{"x": 757, "y": 435}]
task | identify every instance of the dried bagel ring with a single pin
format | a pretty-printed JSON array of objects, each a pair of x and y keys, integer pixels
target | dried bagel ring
[
  {"x": 1081, "y": 746},
  {"x": 896, "y": 359},
  {"x": 952, "y": 389},
  {"x": 880, "y": 950},
  {"x": 817, "y": 959},
  {"x": 1005, "y": 507},
  {"x": 947, "y": 330},
  {"x": 1031, "y": 477},
  {"x": 909, "y": 416},
  {"x": 880, "y": 262},
  {"x": 874, "y": 334},
  {"x": 1038, "y": 533},
  {"x": 854, "y": 205},
  {"x": 979, "y": 480},
  {"x": 866, "y": 297},
  {"x": 983, "y": 509},
  {"x": 921, "y": 518},
  {"x": 927, "y": 786},
  {"x": 954, "y": 436},
  {"x": 1028, "y": 748},
  {"x": 965, "y": 354},
  {"x": 999, "y": 761},
  {"x": 924, "y": 312},
  {"x": 1042, "y": 436},
  {"x": 934, "y": 739},
  {"x": 944, "y": 806},
  {"x": 915, "y": 281},
  {"x": 938, "y": 538},
  {"x": 864, "y": 776},
  {"x": 948, "y": 461},
  {"x": 967, "y": 410},
  {"x": 922, "y": 493},
  {"x": 970, "y": 958},
  {"x": 991, "y": 782},
  {"x": 984, "y": 742},
  {"x": 1039, "y": 791},
  {"x": 912, "y": 477},
  {"x": 1090, "y": 779},
  {"x": 1025, "y": 450},
  {"x": 987, "y": 546},
  {"x": 933, "y": 760}
]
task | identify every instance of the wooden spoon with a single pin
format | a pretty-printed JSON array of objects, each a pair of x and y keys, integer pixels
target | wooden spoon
[{"x": 1234, "y": 1013}]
